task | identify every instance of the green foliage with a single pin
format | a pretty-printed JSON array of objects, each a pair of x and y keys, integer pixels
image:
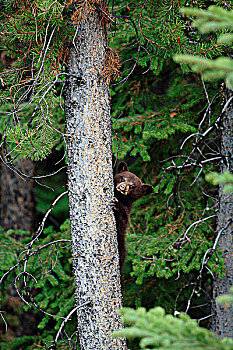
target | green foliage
[
  {"x": 23, "y": 32},
  {"x": 226, "y": 179},
  {"x": 35, "y": 37},
  {"x": 152, "y": 114},
  {"x": 161, "y": 32},
  {"x": 213, "y": 19},
  {"x": 167, "y": 245},
  {"x": 37, "y": 141},
  {"x": 160, "y": 331},
  {"x": 25, "y": 343},
  {"x": 50, "y": 264},
  {"x": 157, "y": 241},
  {"x": 220, "y": 68}
]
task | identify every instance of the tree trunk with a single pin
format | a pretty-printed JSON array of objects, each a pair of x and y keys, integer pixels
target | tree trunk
[
  {"x": 90, "y": 185},
  {"x": 18, "y": 197},
  {"x": 222, "y": 320}
]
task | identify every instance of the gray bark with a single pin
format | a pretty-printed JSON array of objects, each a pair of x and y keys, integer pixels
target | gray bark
[
  {"x": 222, "y": 320},
  {"x": 18, "y": 203},
  {"x": 90, "y": 185}
]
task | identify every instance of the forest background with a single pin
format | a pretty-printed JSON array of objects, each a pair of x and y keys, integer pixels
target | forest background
[{"x": 160, "y": 112}]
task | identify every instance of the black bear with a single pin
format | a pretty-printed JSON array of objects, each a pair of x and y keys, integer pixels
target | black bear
[{"x": 127, "y": 189}]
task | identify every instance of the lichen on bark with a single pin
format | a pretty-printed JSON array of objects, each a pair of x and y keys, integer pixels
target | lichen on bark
[{"x": 90, "y": 185}]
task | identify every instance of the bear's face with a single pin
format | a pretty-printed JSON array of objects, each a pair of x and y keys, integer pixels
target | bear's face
[{"x": 128, "y": 185}]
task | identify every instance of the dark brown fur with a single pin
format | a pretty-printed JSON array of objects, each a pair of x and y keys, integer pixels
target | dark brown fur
[{"x": 127, "y": 189}]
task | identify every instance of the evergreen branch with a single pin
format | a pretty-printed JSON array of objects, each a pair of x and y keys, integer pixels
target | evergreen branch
[
  {"x": 32, "y": 253},
  {"x": 219, "y": 68},
  {"x": 167, "y": 332},
  {"x": 195, "y": 223},
  {"x": 213, "y": 19}
]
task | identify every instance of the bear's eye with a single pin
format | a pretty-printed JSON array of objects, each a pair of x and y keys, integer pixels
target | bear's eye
[
  {"x": 131, "y": 186},
  {"x": 122, "y": 180}
]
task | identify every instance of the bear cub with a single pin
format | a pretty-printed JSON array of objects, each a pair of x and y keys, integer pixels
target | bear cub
[{"x": 127, "y": 189}]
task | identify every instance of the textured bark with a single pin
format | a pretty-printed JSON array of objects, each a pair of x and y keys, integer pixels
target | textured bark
[
  {"x": 17, "y": 197},
  {"x": 90, "y": 185},
  {"x": 222, "y": 320}
]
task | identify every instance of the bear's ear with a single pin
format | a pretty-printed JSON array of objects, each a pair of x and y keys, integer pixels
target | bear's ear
[
  {"x": 147, "y": 189},
  {"x": 122, "y": 167}
]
